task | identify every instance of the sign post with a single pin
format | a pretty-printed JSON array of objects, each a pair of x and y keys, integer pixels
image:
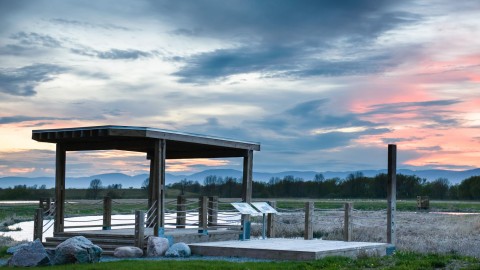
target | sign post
[
  {"x": 265, "y": 209},
  {"x": 245, "y": 209}
]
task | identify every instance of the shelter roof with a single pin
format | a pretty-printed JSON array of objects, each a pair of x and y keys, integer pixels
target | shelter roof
[{"x": 142, "y": 139}]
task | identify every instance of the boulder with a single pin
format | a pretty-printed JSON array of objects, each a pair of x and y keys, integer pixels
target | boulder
[
  {"x": 157, "y": 246},
  {"x": 30, "y": 254},
  {"x": 179, "y": 250},
  {"x": 12, "y": 250},
  {"x": 128, "y": 252},
  {"x": 77, "y": 249}
]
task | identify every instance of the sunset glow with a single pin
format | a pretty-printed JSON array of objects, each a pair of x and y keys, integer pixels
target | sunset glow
[{"x": 317, "y": 90}]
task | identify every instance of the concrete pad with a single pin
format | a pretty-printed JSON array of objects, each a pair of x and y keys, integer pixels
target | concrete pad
[{"x": 288, "y": 249}]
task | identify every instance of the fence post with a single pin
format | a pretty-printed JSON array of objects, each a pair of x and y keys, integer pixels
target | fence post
[
  {"x": 181, "y": 211},
  {"x": 391, "y": 193},
  {"x": 107, "y": 213},
  {"x": 271, "y": 221},
  {"x": 308, "y": 234},
  {"x": 139, "y": 228},
  {"x": 212, "y": 210},
  {"x": 347, "y": 223},
  {"x": 38, "y": 224},
  {"x": 203, "y": 214}
]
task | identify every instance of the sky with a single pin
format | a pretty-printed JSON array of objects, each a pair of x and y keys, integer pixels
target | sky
[{"x": 322, "y": 85}]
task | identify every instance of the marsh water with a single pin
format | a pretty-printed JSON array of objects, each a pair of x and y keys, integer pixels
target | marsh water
[{"x": 25, "y": 232}]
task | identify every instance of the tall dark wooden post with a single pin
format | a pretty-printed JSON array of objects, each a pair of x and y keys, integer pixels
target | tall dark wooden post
[
  {"x": 247, "y": 176},
  {"x": 212, "y": 210},
  {"x": 60, "y": 160},
  {"x": 247, "y": 185},
  {"x": 391, "y": 193},
  {"x": 181, "y": 211},
  {"x": 151, "y": 190},
  {"x": 107, "y": 213},
  {"x": 158, "y": 185}
]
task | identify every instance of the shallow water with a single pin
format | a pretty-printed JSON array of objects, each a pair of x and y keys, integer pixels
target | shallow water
[{"x": 26, "y": 232}]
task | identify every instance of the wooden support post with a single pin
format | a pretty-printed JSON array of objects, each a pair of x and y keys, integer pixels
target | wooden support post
[
  {"x": 247, "y": 182},
  {"x": 309, "y": 207},
  {"x": 203, "y": 214},
  {"x": 107, "y": 213},
  {"x": 48, "y": 206},
  {"x": 139, "y": 228},
  {"x": 38, "y": 224},
  {"x": 60, "y": 160},
  {"x": 151, "y": 190},
  {"x": 181, "y": 212},
  {"x": 391, "y": 193},
  {"x": 271, "y": 221},
  {"x": 347, "y": 223},
  {"x": 212, "y": 210},
  {"x": 41, "y": 203},
  {"x": 158, "y": 186}
]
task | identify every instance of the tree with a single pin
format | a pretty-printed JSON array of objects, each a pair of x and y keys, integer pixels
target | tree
[
  {"x": 145, "y": 183},
  {"x": 94, "y": 189}
]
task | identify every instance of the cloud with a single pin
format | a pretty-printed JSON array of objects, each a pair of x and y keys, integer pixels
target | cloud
[
  {"x": 23, "y": 118},
  {"x": 431, "y": 112},
  {"x": 23, "y": 81},
  {"x": 75, "y": 23},
  {"x": 29, "y": 39},
  {"x": 114, "y": 54},
  {"x": 297, "y": 61},
  {"x": 297, "y": 39}
]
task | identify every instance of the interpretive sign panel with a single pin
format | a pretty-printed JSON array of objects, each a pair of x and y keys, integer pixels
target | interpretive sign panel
[
  {"x": 245, "y": 208},
  {"x": 264, "y": 208}
]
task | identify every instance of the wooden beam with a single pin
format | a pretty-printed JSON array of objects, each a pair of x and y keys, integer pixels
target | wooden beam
[
  {"x": 391, "y": 193},
  {"x": 60, "y": 166},
  {"x": 205, "y": 153},
  {"x": 112, "y": 144}
]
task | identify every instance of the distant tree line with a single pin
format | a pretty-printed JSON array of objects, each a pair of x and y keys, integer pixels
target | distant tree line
[{"x": 355, "y": 185}]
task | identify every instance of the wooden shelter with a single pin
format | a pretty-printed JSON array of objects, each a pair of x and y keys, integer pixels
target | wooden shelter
[{"x": 158, "y": 144}]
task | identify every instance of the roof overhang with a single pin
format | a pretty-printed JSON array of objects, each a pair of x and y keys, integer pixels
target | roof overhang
[{"x": 179, "y": 145}]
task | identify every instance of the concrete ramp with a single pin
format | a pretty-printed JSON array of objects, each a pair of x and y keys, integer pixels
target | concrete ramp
[{"x": 288, "y": 249}]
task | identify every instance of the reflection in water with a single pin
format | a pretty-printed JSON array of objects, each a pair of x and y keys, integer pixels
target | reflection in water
[{"x": 26, "y": 234}]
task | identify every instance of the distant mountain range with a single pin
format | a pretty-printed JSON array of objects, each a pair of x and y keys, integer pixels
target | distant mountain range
[{"x": 136, "y": 181}]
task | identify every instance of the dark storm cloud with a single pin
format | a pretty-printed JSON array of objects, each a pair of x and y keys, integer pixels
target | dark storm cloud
[
  {"x": 23, "y": 81},
  {"x": 284, "y": 37}
]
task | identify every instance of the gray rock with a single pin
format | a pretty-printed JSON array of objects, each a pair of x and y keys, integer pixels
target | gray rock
[
  {"x": 179, "y": 250},
  {"x": 157, "y": 246},
  {"x": 77, "y": 249},
  {"x": 128, "y": 252},
  {"x": 30, "y": 254},
  {"x": 12, "y": 250}
]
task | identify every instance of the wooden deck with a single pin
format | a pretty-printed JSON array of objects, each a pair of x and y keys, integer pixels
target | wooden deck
[{"x": 288, "y": 249}]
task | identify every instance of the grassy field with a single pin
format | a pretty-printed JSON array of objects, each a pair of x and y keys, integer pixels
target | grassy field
[
  {"x": 128, "y": 206},
  {"x": 401, "y": 260}
]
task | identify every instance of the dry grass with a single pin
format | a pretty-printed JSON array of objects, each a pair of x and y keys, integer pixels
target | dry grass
[{"x": 419, "y": 232}]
